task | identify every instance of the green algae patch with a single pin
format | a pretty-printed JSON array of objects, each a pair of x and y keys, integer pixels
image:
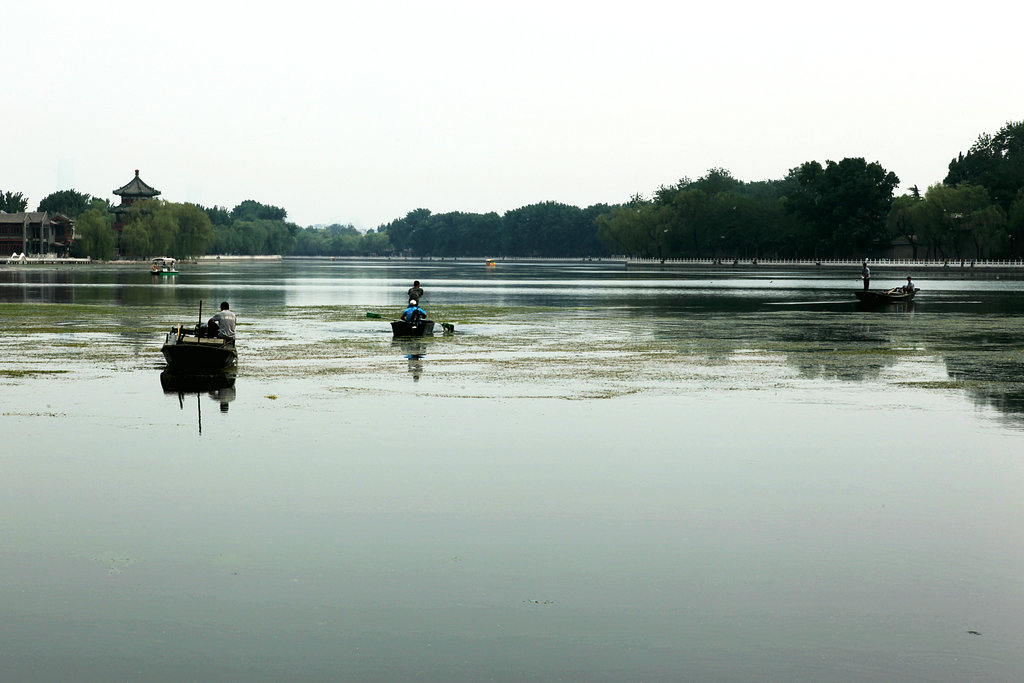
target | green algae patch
[
  {"x": 64, "y": 319},
  {"x": 525, "y": 352},
  {"x": 28, "y": 372},
  {"x": 935, "y": 384}
]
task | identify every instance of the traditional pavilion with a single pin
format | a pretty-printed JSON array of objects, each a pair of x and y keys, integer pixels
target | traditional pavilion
[{"x": 134, "y": 191}]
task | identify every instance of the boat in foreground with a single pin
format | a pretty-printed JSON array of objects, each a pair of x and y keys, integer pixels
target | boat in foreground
[
  {"x": 190, "y": 351},
  {"x": 421, "y": 328},
  {"x": 888, "y": 296}
]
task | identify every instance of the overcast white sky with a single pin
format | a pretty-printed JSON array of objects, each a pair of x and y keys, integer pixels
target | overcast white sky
[{"x": 358, "y": 112}]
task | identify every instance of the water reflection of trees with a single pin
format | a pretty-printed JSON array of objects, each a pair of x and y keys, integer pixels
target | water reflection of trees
[
  {"x": 129, "y": 285},
  {"x": 27, "y": 284},
  {"x": 825, "y": 346},
  {"x": 989, "y": 382},
  {"x": 979, "y": 353}
]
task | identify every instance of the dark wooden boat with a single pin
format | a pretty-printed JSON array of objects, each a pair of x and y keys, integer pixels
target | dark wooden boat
[
  {"x": 190, "y": 351},
  {"x": 887, "y": 296},
  {"x": 421, "y": 328}
]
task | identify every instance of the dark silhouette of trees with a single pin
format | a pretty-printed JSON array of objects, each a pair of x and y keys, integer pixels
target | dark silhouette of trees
[{"x": 13, "y": 202}]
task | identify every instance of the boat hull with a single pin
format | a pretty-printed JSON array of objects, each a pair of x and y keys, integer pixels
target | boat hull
[
  {"x": 401, "y": 328},
  {"x": 198, "y": 355},
  {"x": 878, "y": 297}
]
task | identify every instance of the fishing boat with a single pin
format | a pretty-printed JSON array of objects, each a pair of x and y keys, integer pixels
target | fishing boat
[
  {"x": 189, "y": 350},
  {"x": 420, "y": 328},
  {"x": 163, "y": 265},
  {"x": 876, "y": 297}
]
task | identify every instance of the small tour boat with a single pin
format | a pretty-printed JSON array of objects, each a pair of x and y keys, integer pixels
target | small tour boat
[
  {"x": 421, "y": 328},
  {"x": 164, "y": 265},
  {"x": 188, "y": 350},
  {"x": 888, "y": 296}
]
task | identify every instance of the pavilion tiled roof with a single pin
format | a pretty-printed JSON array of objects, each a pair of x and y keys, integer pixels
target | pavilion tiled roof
[{"x": 136, "y": 188}]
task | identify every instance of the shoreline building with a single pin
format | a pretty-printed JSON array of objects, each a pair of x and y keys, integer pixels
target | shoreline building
[{"x": 35, "y": 232}]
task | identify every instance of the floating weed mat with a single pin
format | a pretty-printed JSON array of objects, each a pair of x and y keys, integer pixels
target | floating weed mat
[
  {"x": 74, "y": 319},
  {"x": 30, "y": 372},
  {"x": 533, "y": 352}
]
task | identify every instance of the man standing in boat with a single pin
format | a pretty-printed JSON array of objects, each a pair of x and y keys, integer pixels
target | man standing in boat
[
  {"x": 865, "y": 274},
  {"x": 224, "y": 319},
  {"x": 415, "y": 292}
]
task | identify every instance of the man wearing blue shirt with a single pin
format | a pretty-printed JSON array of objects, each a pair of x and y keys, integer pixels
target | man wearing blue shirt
[{"x": 414, "y": 313}]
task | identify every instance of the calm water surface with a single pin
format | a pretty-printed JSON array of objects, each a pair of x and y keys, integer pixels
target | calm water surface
[{"x": 603, "y": 475}]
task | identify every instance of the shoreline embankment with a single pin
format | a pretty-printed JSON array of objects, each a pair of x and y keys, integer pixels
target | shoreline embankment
[{"x": 744, "y": 265}]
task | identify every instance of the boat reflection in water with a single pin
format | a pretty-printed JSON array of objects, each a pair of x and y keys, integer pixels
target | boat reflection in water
[
  {"x": 886, "y": 306},
  {"x": 219, "y": 387},
  {"x": 414, "y": 352}
]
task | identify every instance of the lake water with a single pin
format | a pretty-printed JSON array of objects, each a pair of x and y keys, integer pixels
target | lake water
[{"x": 603, "y": 475}]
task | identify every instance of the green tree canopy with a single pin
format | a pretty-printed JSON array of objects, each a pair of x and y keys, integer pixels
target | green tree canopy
[
  {"x": 13, "y": 202},
  {"x": 94, "y": 236},
  {"x": 903, "y": 220},
  {"x": 960, "y": 222},
  {"x": 714, "y": 216},
  {"x": 71, "y": 203},
  {"x": 251, "y": 210},
  {"x": 218, "y": 215},
  {"x": 996, "y": 162},
  {"x": 845, "y": 204},
  {"x": 194, "y": 231},
  {"x": 160, "y": 228}
]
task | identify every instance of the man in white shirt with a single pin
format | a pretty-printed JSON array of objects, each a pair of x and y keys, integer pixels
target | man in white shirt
[{"x": 225, "y": 321}]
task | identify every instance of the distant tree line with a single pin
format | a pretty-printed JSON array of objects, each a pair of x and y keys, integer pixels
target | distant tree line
[
  {"x": 836, "y": 210},
  {"x": 549, "y": 229},
  {"x": 839, "y": 209},
  {"x": 978, "y": 209}
]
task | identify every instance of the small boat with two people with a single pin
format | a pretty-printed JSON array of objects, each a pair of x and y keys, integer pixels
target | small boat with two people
[
  {"x": 872, "y": 296},
  {"x": 420, "y": 328},
  {"x": 163, "y": 265},
  {"x": 202, "y": 349},
  {"x": 413, "y": 322},
  {"x": 878, "y": 297}
]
